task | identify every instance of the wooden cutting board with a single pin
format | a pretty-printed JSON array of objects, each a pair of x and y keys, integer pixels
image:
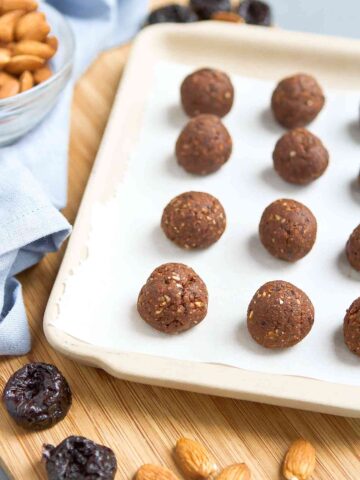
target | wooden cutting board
[{"x": 142, "y": 423}]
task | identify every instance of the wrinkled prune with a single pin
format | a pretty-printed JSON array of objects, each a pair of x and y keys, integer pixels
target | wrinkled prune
[
  {"x": 77, "y": 458},
  {"x": 205, "y": 9},
  {"x": 37, "y": 396},
  {"x": 172, "y": 13},
  {"x": 255, "y": 12}
]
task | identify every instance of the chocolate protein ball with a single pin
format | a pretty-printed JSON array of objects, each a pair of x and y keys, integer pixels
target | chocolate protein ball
[
  {"x": 194, "y": 220},
  {"x": 288, "y": 230},
  {"x": 207, "y": 91},
  {"x": 300, "y": 157},
  {"x": 204, "y": 145},
  {"x": 352, "y": 327},
  {"x": 255, "y": 12},
  {"x": 353, "y": 249},
  {"x": 297, "y": 100},
  {"x": 206, "y": 8},
  {"x": 280, "y": 315},
  {"x": 174, "y": 299}
]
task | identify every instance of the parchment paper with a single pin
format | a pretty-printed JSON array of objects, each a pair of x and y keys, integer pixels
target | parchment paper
[{"x": 126, "y": 243}]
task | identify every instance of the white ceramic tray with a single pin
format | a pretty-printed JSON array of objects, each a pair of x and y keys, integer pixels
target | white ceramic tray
[{"x": 251, "y": 51}]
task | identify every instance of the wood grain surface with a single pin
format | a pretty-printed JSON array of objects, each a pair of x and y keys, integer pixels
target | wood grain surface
[{"x": 142, "y": 423}]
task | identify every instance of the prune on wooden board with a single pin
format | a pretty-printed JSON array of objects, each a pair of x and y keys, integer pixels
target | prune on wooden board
[
  {"x": 37, "y": 396},
  {"x": 205, "y": 9},
  {"x": 172, "y": 13},
  {"x": 255, "y": 12},
  {"x": 77, "y": 458}
]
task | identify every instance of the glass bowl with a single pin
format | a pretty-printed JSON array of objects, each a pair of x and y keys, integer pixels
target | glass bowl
[{"x": 21, "y": 113}]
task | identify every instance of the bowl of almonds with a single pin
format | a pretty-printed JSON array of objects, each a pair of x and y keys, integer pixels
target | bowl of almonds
[{"x": 36, "y": 57}]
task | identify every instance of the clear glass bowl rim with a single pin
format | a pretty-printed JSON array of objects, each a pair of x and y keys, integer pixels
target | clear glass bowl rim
[{"x": 11, "y": 101}]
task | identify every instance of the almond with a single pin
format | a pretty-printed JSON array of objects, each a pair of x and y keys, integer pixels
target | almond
[
  {"x": 8, "y": 24},
  {"x": 9, "y": 86},
  {"x": 26, "y": 81},
  {"x": 5, "y": 56},
  {"x": 42, "y": 75},
  {"x": 19, "y": 63},
  {"x": 239, "y": 471},
  {"x": 10, "y": 5},
  {"x": 154, "y": 472},
  {"x": 194, "y": 460},
  {"x": 11, "y": 47},
  {"x": 53, "y": 42},
  {"x": 300, "y": 461},
  {"x": 32, "y": 26},
  {"x": 32, "y": 47},
  {"x": 227, "y": 17}
]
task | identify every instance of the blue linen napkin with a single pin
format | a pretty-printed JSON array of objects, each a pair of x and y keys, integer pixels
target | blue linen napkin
[{"x": 33, "y": 172}]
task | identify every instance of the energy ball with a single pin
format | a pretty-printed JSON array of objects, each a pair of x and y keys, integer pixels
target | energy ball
[
  {"x": 300, "y": 157},
  {"x": 174, "y": 299},
  {"x": 288, "y": 230},
  {"x": 297, "y": 100},
  {"x": 207, "y": 91},
  {"x": 280, "y": 315},
  {"x": 353, "y": 249},
  {"x": 205, "y": 9},
  {"x": 352, "y": 327},
  {"x": 194, "y": 220},
  {"x": 204, "y": 145}
]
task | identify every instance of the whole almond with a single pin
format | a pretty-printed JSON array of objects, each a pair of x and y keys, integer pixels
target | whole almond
[
  {"x": 194, "y": 460},
  {"x": 19, "y": 63},
  {"x": 5, "y": 56},
  {"x": 239, "y": 471},
  {"x": 32, "y": 47},
  {"x": 154, "y": 472},
  {"x": 42, "y": 75},
  {"x": 10, "y": 5},
  {"x": 8, "y": 24},
  {"x": 53, "y": 42},
  {"x": 32, "y": 26},
  {"x": 300, "y": 461},
  {"x": 9, "y": 86},
  {"x": 26, "y": 81},
  {"x": 11, "y": 47}
]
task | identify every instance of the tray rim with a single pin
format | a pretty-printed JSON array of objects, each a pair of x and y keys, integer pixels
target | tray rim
[{"x": 291, "y": 391}]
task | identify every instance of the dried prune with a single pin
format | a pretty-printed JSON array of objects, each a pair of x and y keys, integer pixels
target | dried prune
[
  {"x": 37, "y": 396},
  {"x": 255, "y": 12},
  {"x": 77, "y": 458},
  {"x": 172, "y": 13},
  {"x": 205, "y": 9}
]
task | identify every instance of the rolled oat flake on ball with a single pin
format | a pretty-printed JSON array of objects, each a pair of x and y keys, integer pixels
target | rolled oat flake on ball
[{"x": 280, "y": 315}]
